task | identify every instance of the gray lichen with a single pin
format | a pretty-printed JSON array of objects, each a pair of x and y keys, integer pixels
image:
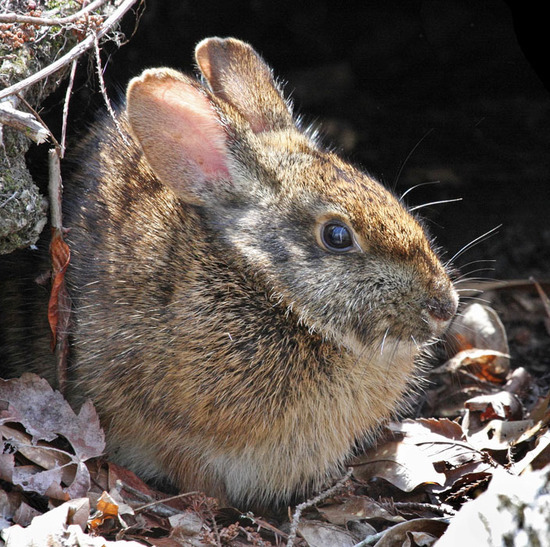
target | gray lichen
[{"x": 24, "y": 51}]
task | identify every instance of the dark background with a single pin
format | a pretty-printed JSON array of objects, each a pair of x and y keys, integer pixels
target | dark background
[{"x": 413, "y": 91}]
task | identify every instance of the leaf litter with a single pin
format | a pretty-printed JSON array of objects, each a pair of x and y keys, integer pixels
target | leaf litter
[{"x": 477, "y": 451}]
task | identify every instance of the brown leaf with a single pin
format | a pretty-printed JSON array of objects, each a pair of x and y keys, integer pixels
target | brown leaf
[
  {"x": 356, "y": 508},
  {"x": 502, "y": 405},
  {"x": 485, "y": 364},
  {"x": 60, "y": 255},
  {"x": 497, "y": 434},
  {"x": 45, "y": 415},
  {"x": 444, "y": 445},
  {"x": 404, "y": 465},
  {"x": 479, "y": 326},
  {"x": 321, "y": 534},
  {"x": 107, "y": 509},
  {"x": 398, "y": 534}
]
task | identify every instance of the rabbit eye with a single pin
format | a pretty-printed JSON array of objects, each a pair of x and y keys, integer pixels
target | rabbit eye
[{"x": 336, "y": 236}]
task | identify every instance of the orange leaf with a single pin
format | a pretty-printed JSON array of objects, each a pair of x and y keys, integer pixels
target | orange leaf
[{"x": 60, "y": 256}]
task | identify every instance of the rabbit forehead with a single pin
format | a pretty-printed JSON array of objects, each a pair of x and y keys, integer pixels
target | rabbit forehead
[
  {"x": 320, "y": 184},
  {"x": 379, "y": 219}
]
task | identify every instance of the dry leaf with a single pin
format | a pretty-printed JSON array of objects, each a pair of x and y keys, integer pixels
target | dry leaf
[
  {"x": 60, "y": 527},
  {"x": 356, "y": 508},
  {"x": 479, "y": 326},
  {"x": 406, "y": 466},
  {"x": 398, "y": 534},
  {"x": 485, "y": 364},
  {"x": 31, "y": 402},
  {"x": 513, "y": 511},
  {"x": 60, "y": 257},
  {"x": 187, "y": 527},
  {"x": 498, "y": 434},
  {"x": 107, "y": 509},
  {"x": 320, "y": 534}
]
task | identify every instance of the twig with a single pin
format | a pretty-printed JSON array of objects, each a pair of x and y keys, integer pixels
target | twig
[
  {"x": 55, "y": 189},
  {"x": 371, "y": 540},
  {"x": 104, "y": 89},
  {"x": 167, "y": 511},
  {"x": 38, "y": 117},
  {"x": 50, "y": 21},
  {"x": 545, "y": 300},
  {"x": 23, "y": 121},
  {"x": 310, "y": 503},
  {"x": 4, "y": 203},
  {"x": 419, "y": 507},
  {"x": 66, "y": 109},
  {"x": 73, "y": 54}
]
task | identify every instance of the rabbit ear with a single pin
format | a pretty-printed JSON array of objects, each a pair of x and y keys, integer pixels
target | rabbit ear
[
  {"x": 238, "y": 75},
  {"x": 179, "y": 131}
]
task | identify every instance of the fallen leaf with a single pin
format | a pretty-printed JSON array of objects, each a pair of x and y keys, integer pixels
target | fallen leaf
[
  {"x": 513, "y": 509},
  {"x": 106, "y": 509},
  {"x": 320, "y": 534},
  {"x": 397, "y": 535},
  {"x": 45, "y": 415},
  {"x": 485, "y": 364},
  {"x": 497, "y": 434},
  {"x": 479, "y": 326},
  {"x": 60, "y": 255},
  {"x": 62, "y": 526},
  {"x": 356, "y": 508},
  {"x": 502, "y": 405},
  {"x": 406, "y": 466}
]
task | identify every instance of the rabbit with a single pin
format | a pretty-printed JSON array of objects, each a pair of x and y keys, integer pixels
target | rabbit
[{"x": 248, "y": 307}]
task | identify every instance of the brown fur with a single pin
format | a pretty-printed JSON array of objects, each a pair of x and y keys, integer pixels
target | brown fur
[{"x": 224, "y": 346}]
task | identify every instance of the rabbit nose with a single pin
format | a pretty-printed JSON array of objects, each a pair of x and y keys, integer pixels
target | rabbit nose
[{"x": 443, "y": 308}]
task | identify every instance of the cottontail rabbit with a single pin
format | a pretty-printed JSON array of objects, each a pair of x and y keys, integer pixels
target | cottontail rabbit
[{"x": 247, "y": 305}]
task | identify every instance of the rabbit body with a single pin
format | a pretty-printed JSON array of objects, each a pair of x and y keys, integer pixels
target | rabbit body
[{"x": 247, "y": 305}]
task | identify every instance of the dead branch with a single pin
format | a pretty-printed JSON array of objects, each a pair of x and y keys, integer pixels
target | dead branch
[
  {"x": 50, "y": 21},
  {"x": 310, "y": 503},
  {"x": 22, "y": 121},
  {"x": 73, "y": 54}
]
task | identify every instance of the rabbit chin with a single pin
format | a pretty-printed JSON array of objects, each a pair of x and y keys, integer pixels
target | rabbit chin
[{"x": 389, "y": 352}]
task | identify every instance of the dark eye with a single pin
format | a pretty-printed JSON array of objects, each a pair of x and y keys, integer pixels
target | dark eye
[{"x": 336, "y": 236}]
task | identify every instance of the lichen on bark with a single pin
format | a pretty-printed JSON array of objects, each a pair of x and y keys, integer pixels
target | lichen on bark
[{"x": 24, "y": 50}]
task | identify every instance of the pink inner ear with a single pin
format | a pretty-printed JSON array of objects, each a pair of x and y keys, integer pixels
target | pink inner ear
[{"x": 192, "y": 128}]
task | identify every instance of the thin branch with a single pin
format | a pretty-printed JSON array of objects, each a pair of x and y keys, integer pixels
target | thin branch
[
  {"x": 37, "y": 116},
  {"x": 310, "y": 503},
  {"x": 66, "y": 109},
  {"x": 55, "y": 188},
  {"x": 104, "y": 89},
  {"x": 23, "y": 121},
  {"x": 50, "y": 21},
  {"x": 73, "y": 54}
]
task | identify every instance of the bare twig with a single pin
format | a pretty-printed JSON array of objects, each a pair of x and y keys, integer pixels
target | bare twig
[
  {"x": 310, "y": 503},
  {"x": 544, "y": 298},
  {"x": 50, "y": 21},
  {"x": 37, "y": 116},
  {"x": 73, "y": 54},
  {"x": 104, "y": 89},
  {"x": 66, "y": 109},
  {"x": 55, "y": 189},
  {"x": 23, "y": 121},
  {"x": 163, "y": 501}
]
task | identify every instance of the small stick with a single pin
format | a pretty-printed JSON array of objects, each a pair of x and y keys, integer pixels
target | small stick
[
  {"x": 66, "y": 109},
  {"x": 310, "y": 503},
  {"x": 55, "y": 189},
  {"x": 24, "y": 122},
  {"x": 104, "y": 90}
]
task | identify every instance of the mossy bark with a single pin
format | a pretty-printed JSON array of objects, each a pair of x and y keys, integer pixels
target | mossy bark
[{"x": 24, "y": 50}]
